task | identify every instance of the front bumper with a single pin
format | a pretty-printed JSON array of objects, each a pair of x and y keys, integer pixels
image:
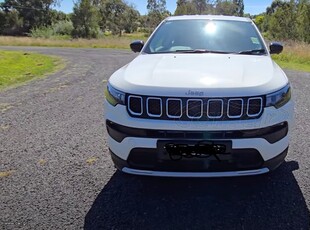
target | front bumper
[
  {"x": 257, "y": 146},
  {"x": 265, "y": 168},
  {"x": 146, "y": 159}
]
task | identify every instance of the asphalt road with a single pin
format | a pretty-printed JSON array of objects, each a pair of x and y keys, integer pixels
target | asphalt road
[{"x": 56, "y": 172}]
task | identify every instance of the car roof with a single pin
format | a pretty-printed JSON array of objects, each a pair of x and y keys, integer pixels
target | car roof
[{"x": 210, "y": 17}]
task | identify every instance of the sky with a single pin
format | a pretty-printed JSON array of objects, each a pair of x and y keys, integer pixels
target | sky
[{"x": 250, "y": 6}]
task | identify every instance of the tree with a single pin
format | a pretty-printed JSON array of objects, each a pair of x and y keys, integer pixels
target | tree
[
  {"x": 11, "y": 23},
  {"x": 282, "y": 19},
  {"x": 32, "y": 13},
  {"x": 230, "y": 7},
  {"x": 288, "y": 20},
  {"x": 303, "y": 20},
  {"x": 85, "y": 19},
  {"x": 181, "y": 2},
  {"x": 156, "y": 6},
  {"x": 239, "y": 11},
  {"x": 143, "y": 23},
  {"x": 117, "y": 16},
  {"x": 181, "y": 7},
  {"x": 225, "y": 7},
  {"x": 157, "y": 12},
  {"x": 200, "y": 6},
  {"x": 259, "y": 21},
  {"x": 57, "y": 16},
  {"x": 113, "y": 11},
  {"x": 130, "y": 21},
  {"x": 194, "y": 7},
  {"x": 2, "y": 21},
  {"x": 274, "y": 6},
  {"x": 112, "y": 15}
]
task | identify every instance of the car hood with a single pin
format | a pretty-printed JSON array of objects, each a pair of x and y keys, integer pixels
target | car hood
[{"x": 199, "y": 74}]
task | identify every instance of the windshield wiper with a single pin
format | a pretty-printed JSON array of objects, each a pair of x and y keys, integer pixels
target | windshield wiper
[
  {"x": 201, "y": 51},
  {"x": 192, "y": 51},
  {"x": 257, "y": 51}
]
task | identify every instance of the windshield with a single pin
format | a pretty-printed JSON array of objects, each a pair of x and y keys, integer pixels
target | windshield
[{"x": 204, "y": 35}]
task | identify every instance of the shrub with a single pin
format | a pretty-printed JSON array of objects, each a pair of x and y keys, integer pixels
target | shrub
[
  {"x": 63, "y": 27},
  {"x": 42, "y": 32}
]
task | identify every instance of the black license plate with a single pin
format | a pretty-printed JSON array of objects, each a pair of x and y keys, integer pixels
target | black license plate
[{"x": 195, "y": 149}]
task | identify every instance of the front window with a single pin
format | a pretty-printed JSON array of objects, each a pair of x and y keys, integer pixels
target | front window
[{"x": 205, "y": 35}]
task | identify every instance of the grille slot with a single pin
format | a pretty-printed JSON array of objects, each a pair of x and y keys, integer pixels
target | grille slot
[
  {"x": 174, "y": 108},
  {"x": 194, "y": 108},
  {"x": 255, "y": 106},
  {"x": 215, "y": 108},
  {"x": 135, "y": 105},
  {"x": 154, "y": 107},
  {"x": 235, "y": 108}
]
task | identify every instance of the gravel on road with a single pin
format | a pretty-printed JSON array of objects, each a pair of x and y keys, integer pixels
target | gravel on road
[{"x": 56, "y": 172}]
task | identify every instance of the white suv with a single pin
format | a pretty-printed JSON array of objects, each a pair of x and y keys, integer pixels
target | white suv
[{"x": 202, "y": 99}]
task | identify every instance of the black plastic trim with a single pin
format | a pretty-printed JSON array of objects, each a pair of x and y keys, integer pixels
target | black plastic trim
[
  {"x": 275, "y": 162},
  {"x": 271, "y": 164},
  {"x": 272, "y": 134},
  {"x": 118, "y": 162}
]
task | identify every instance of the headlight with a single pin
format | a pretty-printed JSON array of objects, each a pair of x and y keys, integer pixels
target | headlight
[
  {"x": 114, "y": 96},
  {"x": 279, "y": 98}
]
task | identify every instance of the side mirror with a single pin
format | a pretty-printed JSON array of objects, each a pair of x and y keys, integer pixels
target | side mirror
[
  {"x": 275, "y": 48},
  {"x": 136, "y": 46}
]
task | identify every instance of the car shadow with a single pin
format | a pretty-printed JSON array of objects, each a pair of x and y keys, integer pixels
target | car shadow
[{"x": 271, "y": 201}]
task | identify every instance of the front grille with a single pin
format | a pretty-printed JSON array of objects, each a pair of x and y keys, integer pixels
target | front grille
[{"x": 204, "y": 109}]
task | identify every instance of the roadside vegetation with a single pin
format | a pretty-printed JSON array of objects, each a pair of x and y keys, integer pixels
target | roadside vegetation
[
  {"x": 295, "y": 56},
  {"x": 107, "y": 41},
  {"x": 115, "y": 23},
  {"x": 20, "y": 67}
]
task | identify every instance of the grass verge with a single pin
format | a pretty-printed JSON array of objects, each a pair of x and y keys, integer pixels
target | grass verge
[
  {"x": 113, "y": 42},
  {"x": 295, "y": 56},
  {"x": 20, "y": 67}
]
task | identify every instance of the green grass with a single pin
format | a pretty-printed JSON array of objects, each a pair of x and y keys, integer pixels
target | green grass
[
  {"x": 292, "y": 61},
  {"x": 110, "y": 41},
  {"x": 20, "y": 67},
  {"x": 293, "y": 66}
]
